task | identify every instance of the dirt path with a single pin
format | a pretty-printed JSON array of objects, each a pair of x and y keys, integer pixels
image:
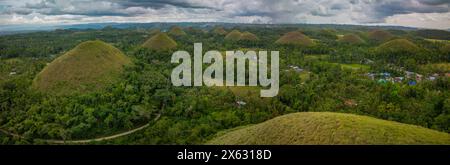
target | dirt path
[{"x": 86, "y": 140}]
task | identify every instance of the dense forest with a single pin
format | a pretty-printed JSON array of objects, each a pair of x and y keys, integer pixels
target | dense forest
[{"x": 332, "y": 76}]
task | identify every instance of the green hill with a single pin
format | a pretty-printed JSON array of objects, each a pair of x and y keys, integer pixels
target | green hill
[
  {"x": 247, "y": 36},
  {"x": 351, "y": 39},
  {"x": 295, "y": 38},
  {"x": 234, "y": 35},
  {"x": 177, "y": 31},
  {"x": 380, "y": 36},
  {"x": 398, "y": 45},
  {"x": 154, "y": 31},
  {"x": 219, "y": 31},
  {"x": 329, "y": 128},
  {"x": 193, "y": 30},
  {"x": 89, "y": 66},
  {"x": 328, "y": 34},
  {"x": 434, "y": 34},
  {"x": 160, "y": 41}
]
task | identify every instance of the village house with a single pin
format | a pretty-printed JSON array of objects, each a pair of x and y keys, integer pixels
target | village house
[
  {"x": 296, "y": 68},
  {"x": 241, "y": 103},
  {"x": 398, "y": 79}
]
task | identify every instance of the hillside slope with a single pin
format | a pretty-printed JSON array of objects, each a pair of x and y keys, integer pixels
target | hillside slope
[
  {"x": 89, "y": 66},
  {"x": 330, "y": 128}
]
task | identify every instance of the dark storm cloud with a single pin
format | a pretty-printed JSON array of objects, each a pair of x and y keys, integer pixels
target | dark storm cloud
[
  {"x": 383, "y": 9},
  {"x": 157, "y": 4},
  {"x": 434, "y": 2},
  {"x": 100, "y": 7}
]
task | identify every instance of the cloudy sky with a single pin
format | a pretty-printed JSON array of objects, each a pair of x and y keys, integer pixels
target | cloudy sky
[{"x": 416, "y": 13}]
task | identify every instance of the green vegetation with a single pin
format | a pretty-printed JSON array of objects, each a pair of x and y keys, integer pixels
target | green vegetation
[
  {"x": 329, "y": 128},
  {"x": 295, "y": 38},
  {"x": 160, "y": 41},
  {"x": 433, "y": 34},
  {"x": 88, "y": 67},
  {"x": 446, "y": 49},
  {"x": 323, "y": 75},
  {"x": 219, "y": 31}
]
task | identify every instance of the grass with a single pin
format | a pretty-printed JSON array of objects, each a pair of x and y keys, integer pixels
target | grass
[
  {"x": 380, "y": 35},
  {"x": 436, "y": 40},
  {"x": 355, "y": 66},
  {"x": 160, "y": 41},
  {"x": 351, "y": 39},
  {"x": 295, "y": 38},
  {"x": 247, "y": 36},
  {"x": 398, "y": 45},
  {"x": 234, "y": 35},
  {"x": 317, "y": 57},
  {"x": 329, "y": 128},
  {"x": 177, "y": 31},
  {"x": 304, "y": 76},
  {"x": 88, "y": 67}
]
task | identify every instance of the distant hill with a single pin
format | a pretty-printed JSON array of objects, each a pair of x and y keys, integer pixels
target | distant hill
[
  {"x": 295, "y": 38},
  {"x": 154, "y": 31},
  {"x": 160, "y": 41},
  {"x": 329, "y": 128},
  {"x": 351, "y": 39},
  {"x": 177, "y": 31},
  {"x": 219, "y": 30},
  {"x": 89, "y": 66},
  {"x": 380, "y": 35},
  {"x": 328, "y": 34},
  {"x": 398, "y": 45},
  {"x": 193, "y": 30},
  {"x": 434, "y": 34},
  {"x": 247, "y": 36},
  {"x": 234, "y": 35}
]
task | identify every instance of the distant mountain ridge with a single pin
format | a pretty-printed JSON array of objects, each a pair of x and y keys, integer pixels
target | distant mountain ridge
[{"x": 8, "y": 29}]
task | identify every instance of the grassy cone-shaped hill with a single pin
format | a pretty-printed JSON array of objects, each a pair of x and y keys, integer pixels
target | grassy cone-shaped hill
[
  {"x": 219, "y": 31},
  {"x": 329, "y": 128},
  {"x": 351, "y": 39},
  {"x": 247, "y": 36},
  {"x": 154, "y": 31},
  {"x": 88, "y": 67},
  {"x": 159, "y": 42},
  {"x": 234, "y": 35},
  {"x": 380, "y": 36},
  {"x": 295, "y": 38},
  {"x": 398, "y": 45},
  {"x": 177, "y": 31}
]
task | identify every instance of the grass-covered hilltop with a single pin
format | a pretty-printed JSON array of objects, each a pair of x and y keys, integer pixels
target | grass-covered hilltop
[
  {"x": 160, "y": 41},
  {"x": 329, "y": 128},
  {"x": 295, "y": 38},
  {"x": 111, "y": 84},
  {"x": 88, "y": 67}
]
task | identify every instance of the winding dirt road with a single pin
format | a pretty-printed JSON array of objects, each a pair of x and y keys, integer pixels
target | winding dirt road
[{"x": 86, "y": 140}]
